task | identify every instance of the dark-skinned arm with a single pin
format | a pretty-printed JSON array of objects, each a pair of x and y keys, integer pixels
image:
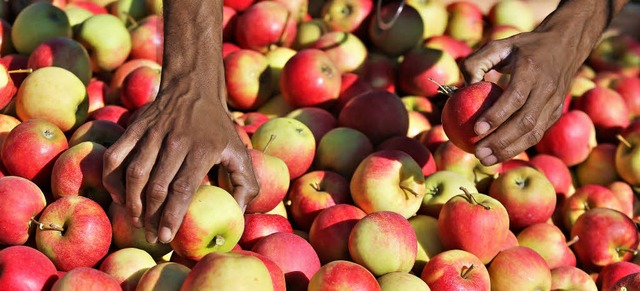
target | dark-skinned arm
[
  {"x": 159, "y": 162},
  {"x": 542, "y": 64}
]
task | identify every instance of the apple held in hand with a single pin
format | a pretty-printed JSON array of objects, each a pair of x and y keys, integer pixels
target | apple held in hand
[
  {"x": 204, "y": 231},
  {"x": 66, "y": 226},
  {"x": 36, "y": 23},
  {"x": 25, "y": 268},
  {"x": 20, "y": 201},
  {"x": 456, "y": 269}
]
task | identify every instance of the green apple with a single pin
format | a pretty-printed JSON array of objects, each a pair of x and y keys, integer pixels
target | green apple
[
  {"x": 277, "y": 58},
  {"x": 53, "y": 94},
  {"x": 341, "y": 150},
  {"x": 627, "y": 159},
  {"x": 127, "y": 266},
  {"x": 434, "y": 15},
  {"x": 571, "y": 278},
  {"x": 37, "y": 23},
  {"x": 429, "y": 245},
  {"x": 228, "y": 271},
  {"x": 308, "y": 33},
  {"x": 77, "y": 15},
  {"x": 440, "y": 187},
  {"x": 167, "y": 276},
  {"x": 401, "y": 281},
  {"x": 108, "y": 40},
  {"x": 125, "y": 235},
  {"x": 516, "y": 13},
  {"x": 129, "y": 11}
]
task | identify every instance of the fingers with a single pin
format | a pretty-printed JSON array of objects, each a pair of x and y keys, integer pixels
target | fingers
[
  {"x": 184, "y": 185},
  {"x": 168, "y": 164},
  {"x": 483, "y": 60},
  {"x": 113, "y": 163},
  {"x": 240, "y": 170}
]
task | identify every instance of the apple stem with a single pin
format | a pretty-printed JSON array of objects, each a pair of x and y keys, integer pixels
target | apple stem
[
  {"x": 134, "y": 23},
  {"x": 574, "y": 240},
  {"x": 266, "y": 147},
  {"x": 624, "y": 141},
  {"x": 447, "y": 90},
  {"x": 626, "y": 250},
  {"x": 19, "y": 71},
  {"x": 315, "y": 186},
  {"x": 586, "y": 205},
  {"x": 219, "y": 240},
  {"x": 50, "y": 226},
  {"x": 473, "y": 199},
  {"x": 410, "y": 191},
  {"x": 466, "y": 271}
]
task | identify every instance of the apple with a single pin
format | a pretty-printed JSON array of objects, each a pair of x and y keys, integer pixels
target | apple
[
  {"x": 422, "y": 66},
  {"x": 97, "y": 90},
  {"x": 383, "y": 242},
  {"x": 415, "y": 149},
  {"x": 527, "y": 195},
  {"x": 462, "y": 109},
  {"x": 229, "y": 21},
  {"x": 16, "y": 63},
  {"x": 250, "y": 121},
  {"x": 308, "y": 33},
  {"x": 346, "y": 15},
  {"x": 7, "y": 123},
  {"x": 65, "y": 53},
  {"x": 248, "y": 79},
  {"x": 121, "y": 73},
  {"x": 625, "y": 160},
  {"x": 402, "y": 281},
  {"x": 344, "y": 49},
  {"x": 455, "y": 48},
  {"x": 608, "y": 121},
  {"x": 628, "y": 282},
  {"x": 379, "y": 71},
  {"x": 629, "y": 90},
  {"x": 571, "y": 138},
  {"x": 395, "y": 34},
  {"x": 549, "y": 241},
  {"x": 433, "y": 138},
  {"x": 297, "y": 8},
  {"x": 293, "y": 255},
  {"x": 556, "y": 172},
  {"x": 424, "y": 106},
  {"x": 219, "y": 270},
  {"x": 519, "y": 268},
  {"x": 512, "y": 164},
  {"x": 129, "y": 11},
  {"x": 315, "y": 191},
  {"x": 6, "y": 45},
  {"x": 330, "y": 230},
  {"x": 340, "y": 274},
  {"x": 449, "y": 157},
  {"x": 418, "y": 123},
  {"x": 77, "y": 15},
  {"x": 289, "y": 140},
  {"x": 258, "y": 225},
  {"x": 378, "y": 114},
  {"x": 147, "y": 39},
  {"x": 278, "y": 57},
  {"x": 277, "y": 276},
  {"x": 456, "y": 269},
  {"x": 579, "y": 86},
  {"x": 341, "y": 150},
  {"x": 434, "y": 16},
  {"x": 37, "y": 141},
  {"x": 8, "y": 88},
  {"x": 140, "y": 87},
  {"x": 113, "y": 113},
  {"x": 64, "y": 228},
  {"x": 203, "y": 231},
  {"x": 502, "y": 13},
  {"x": 52, "y": 22},
  {"x": 20, "y": 201},
  {"x": 611, "y": 273},
  {"x": 388, "y": 180},
  {"x": 102, "y": 132},
  {"x": 571, "y": 278},
  {"x": 502, "y": 31},
  {"x": 318, "y": 120},
  {"x": 238, "y": 5},
  {"x": 108, "y": 40},
  {"x": 310, "y": 78},
  {"x": 465, "y": 220},
  {"x": 125, "y": 235},
  {"x": 465, "y": 22},
  {"x": 88, "y": 5},
  {"x": 599, "y": 168},
  {"x": 25, "y": 268},
  {"x": 606, "y": 236},
  {"x": 265, "y": 23},
  {"x": 440, "y": 187},
  {"x": 429, "y": 245},
  {"x": 585, "y": 198},
  {"x": 275, "y": 107},
  {"x": 167, "y": 275},
  {"x": 127, "y": 266},
  {"x": 625, "y": 195},
  {"x": 86, "y": 278}
]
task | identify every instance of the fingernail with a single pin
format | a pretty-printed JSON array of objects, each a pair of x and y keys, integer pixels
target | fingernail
[
  {"x": 482, "y": 153},
  {"x": 137, "y": 222},
  {"x": 490, "y": 160},
  {"x": 482, "y": 127},
  {"x": 151, "y": 237},
  {"x": 164, "y": 235}
]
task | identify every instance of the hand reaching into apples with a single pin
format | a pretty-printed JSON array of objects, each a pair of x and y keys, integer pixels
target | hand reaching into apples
[
  {"x": 542, "y": 64},
  {"x": 159, "y": 162}
]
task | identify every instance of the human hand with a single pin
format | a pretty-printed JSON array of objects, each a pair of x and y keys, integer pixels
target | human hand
[{"x": 159, "y": 162}]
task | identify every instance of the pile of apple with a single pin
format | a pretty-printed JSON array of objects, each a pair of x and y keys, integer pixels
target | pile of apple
[{"x": 341, "y": 108}]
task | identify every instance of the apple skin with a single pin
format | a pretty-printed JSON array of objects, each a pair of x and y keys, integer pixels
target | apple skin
[
  {"x": 629, "y": 282},
  {"x": 203, "y": 231},
  {"x": 238, "y": 5},
  {"x": 65, "y": 53},
  {"x": 277, "y": 58},
  {"x": 102, "y": 132},
  {"x": 147, "y": 39},
  {"x": 52, "y": 22},
  {"x": 86, "y": 278},
  {"x": 433, "y": 138},
  {"x": 388, "y": 180},
  {"x": 402, "y": 281},
  {"x": 82, "y": 219},
  {"x": 277, "y": 276},
  {"x": 379, "y": 71},
  {"x": 452, "y": 158},
  {"x": 113, "y": 113},
  {"x": 600, "y": 167},
  {"x": 248, "y": 79},
  {"x": 462, "y": 110},
  {"x": 341, "y": 150},
  {"x": 37, "y": 141},
  {"x": 383, "y": 242},
  {"x": 378, "y": 114},
  {"x": 78, "y": 171},
  {"x": 25, "y": 268},
  {"x": 97, "y": 90},
  {"x": 429, "y": 245},
  {"x": 140, "y": 87},
  {"x": 445, "y": 271},
  {"x": 571, "y": 278},
  {"x": 608, "y": 121},
  {"x": 456, "y": 48},
  {"x": 625, "y": 195},
  {"x": 603, "y": 232},
  {"x": 549, "y": 241},
  {"x": 585, "y": 198},
  {"x": 465, "y": 22},
  {"x": 259, "y": 225},
  {"x": 108, "y": 40},
  {"x": 293, "y": 254},
  {"x": 519, "y": 268},
  {"x": 342, "y": 275},
  {"x": 501, "y": 14},
  {"x": 626, "y": 159},
  {"x": 404, "y": 34},
  {"x": 424, "y": 106},
  {"x": 20, "y": 201},
  {"x": 629, "y": 90},
  {"x": 250, "y": 121},
  {"x": 8, "y": 88},
  {"x": 125, "y": 235},
  {"x": 293, "y": 143},
  {"x": 310, "y": 79},
  {"x": 464, "y": 220},
  {"x": 556, "y": 172},
  {"x": 77, "y": 15},
  {"x": 440, "y": 187},
  {"x": 88, "y": 5},
  {"x": 501, "y": 31},
  {"x": 527, "y": 195},
  {"x": 423, "y": 63},
  {"x": 613, "y": 272},
  {"x": 354, "y": 20},
  {"x": 127, "y": 266},
  {"x": 163, "y": 276},
  {"x": 54, "y": 94},
  {"x": 308, "y": 33},
  {"x": 318, "y": 120},
  {"x": 571, "y": 138},
  {"x": 266, "y": 23},
  {"x": 344, "y": 49},
  {"x": 415, "y": 149},
  {"x": 118, "y": 76},
  {"x": 218, "y": 270},
  {"x": 330, "y": 230},
  {"x": 315, "y": 191}
]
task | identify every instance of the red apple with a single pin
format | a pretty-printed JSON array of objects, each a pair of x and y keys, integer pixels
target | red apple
[
  {"x": 585, "y": 198},
  {"x": 121, "y": 73},
  {"x": 219, "y": 270},
  {"x": 113, "y": 113},
  {"x": 571, "y": 278},
  {"x": 600, "y": 166},
  {"x": 97, "y": 90},
  {"x": 465, "y": 22},
  {"x": 127, "y": 266},
  {"x": 16, "y": 62},
  {"x": 611, "y": 273},
  {"x": 340, "y": 275},
  {"x": 341, "y": 150},
  {"x": 102, "y": 132},
  {"x": 628, "y": 282},
  {"x": 455, "y": 48},
  {"x": 608, "y": 120},
  {"x": 351, "y": 86},
  {"x": 519, "y": 268},
  {"x": 379, "y": 71},
  {"x": 310, "y": 78},
  {"x": 238, "y": 5},
  {"x": 20, "y": 201},
  {"x": 6, "y": 45},
  {"x": 415, "y": 149},
  {"x": 329, "y": 233},
  {"x": 248, "y": 79},
  {"x": 571, "y": 138},
  {"x": 277, "y": 276},
  {"x": 625, "y": 195},
  {"x": 456, "y": 269},
  {"x": 25, "y": 268},
  {"x": 433, "y": 138},
  {"x": 258, "y": 225},
  {"x": 147, "y": 39},
  {"x": 344, "y": 49},
  {"x": 250, "y": 121},
  {"x": 315, "y": 191},
  {"x": 318, "y": 120},
  {"x": 86, "y": 278},
  {"x": 345, "y": 15},
  {"x": 548, "y": 241},
  {"x": 421, "y": 65},
  {"x": 264, "y": 24},
  {"x": 62, "y": 52},
  {"x": 140, "y": 87},
  {"x": 556, "y": 172},
  {"x": 8, "y": 88},
  {"x": 163, "y": 275},
  {"x": 629, "y": 90},
  {"x": 228, "y": 48},
  {"x": 125, "y": 235}
]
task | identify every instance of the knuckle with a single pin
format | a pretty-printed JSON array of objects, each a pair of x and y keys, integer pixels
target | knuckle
[
  {"x": 518, "y": 98},
  {"x": 157, "y": 191},
  {"x": 134, "y": 209},
  {"x": 534, "y": 136},
  {"x": 110, "y": 158},
  {"x": 182, "y": 189},
  {"x": 528, "y": 122},
  {"x": 136, "y": 172},
  {"x": 500, "y": 144}
]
